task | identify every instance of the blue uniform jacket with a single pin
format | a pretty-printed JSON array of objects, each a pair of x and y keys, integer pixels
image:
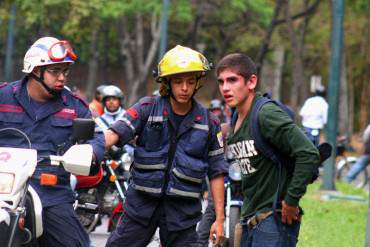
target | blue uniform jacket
[
  {"x": 143, "y": 120},
  {"x": 47, "y": 130}
]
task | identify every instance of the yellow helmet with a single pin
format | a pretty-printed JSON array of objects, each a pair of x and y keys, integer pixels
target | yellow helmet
[{"x": 181, "y": 60}]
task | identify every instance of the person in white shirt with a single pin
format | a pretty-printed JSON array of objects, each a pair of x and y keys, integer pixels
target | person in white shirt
[{"x": 314, "y": 113}]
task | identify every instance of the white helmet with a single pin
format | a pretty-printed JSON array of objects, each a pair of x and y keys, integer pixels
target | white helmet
[
  {"x": 112, "y": 91},
  {"x": 48, "y": 50}
]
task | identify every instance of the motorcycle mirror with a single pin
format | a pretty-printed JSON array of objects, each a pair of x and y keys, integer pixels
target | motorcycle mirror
[
  {"x": 82, "y": 129},
  {"x": 77, "y": 160}
]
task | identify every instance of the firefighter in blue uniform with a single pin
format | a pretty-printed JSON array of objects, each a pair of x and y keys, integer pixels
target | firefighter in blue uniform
[
  {"x": 39, "y": 106},
  {"x": 179, "y": 143}
]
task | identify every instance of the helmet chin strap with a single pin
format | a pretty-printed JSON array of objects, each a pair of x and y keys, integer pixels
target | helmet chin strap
[{"x": 40, "y": 79}]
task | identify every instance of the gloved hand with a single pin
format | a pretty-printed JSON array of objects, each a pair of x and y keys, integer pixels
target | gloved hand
[{"x": 289, "y": 213}]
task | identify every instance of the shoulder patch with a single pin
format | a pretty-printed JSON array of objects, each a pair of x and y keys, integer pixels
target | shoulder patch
[
  {"x": 132, "y": 112},
  {"x": 80, "y": 99}
]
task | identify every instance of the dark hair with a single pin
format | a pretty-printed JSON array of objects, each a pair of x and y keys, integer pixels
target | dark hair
[{"x": 239, "y": 63}]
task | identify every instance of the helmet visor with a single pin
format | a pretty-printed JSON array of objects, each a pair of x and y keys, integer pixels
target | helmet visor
[{"x": 60, "y": 50}]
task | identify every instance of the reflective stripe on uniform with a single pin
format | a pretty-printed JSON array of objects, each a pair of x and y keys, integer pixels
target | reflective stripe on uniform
[
  {"x": 184, "y": 193},
  {"x": 216, "y": 152},
  {"x": 185, "y": 177},
  {"x": 150, "y": 167},
  {"x": 148, "y": 189},
  {"x": 201, "y": 126},
  {"x": 156, "y": 119},
  {"x": 129, "y": 124}
]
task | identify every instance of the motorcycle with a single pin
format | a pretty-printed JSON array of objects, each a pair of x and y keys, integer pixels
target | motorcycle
[
  {"x": 20, "y": 206},
  {"x": 234, "y": 201},
  {"x": 104, "y": 193},
  {"x": 345, "y": 163}
]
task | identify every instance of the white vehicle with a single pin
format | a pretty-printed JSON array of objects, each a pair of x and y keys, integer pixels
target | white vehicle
[{"x": 20, "y": 206}]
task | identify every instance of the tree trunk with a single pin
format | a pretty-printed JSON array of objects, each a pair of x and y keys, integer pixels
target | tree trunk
[
  {"x": 266, "y": 41},
  {"x": 92, "y": 65},
  {"x": 344, "y": 114},
  {"x": 139, "y": 58},
  {"x": 272, "y": 72},
  {"x": 297, "y": 66},
  {"x": 278, "y": 71}
]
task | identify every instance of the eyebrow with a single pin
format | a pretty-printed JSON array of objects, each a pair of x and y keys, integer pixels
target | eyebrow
[{"x": 59, "y": 68}]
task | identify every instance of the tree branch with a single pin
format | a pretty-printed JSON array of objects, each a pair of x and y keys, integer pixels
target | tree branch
[{"x": 308, "y": 11}]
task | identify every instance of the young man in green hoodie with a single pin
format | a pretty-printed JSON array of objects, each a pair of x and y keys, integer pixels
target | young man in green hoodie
[{"x": 261, "y": 177}]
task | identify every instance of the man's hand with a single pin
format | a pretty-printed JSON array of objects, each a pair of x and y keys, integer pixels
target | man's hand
[
  {"x": 218, "y": 190},
  {"x": 111, "y": 138},
  {"x": 218, "y": 230},
  {"x": 289, "y": 213},
  {"x": 205, "y": 195}
]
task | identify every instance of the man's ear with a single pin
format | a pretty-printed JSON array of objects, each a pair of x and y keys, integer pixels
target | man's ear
[{"x": 252, "y": 82}]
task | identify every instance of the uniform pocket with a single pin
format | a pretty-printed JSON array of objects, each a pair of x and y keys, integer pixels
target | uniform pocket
[
  {"x": 148, "y": 174},
  {"x": 11, "y": 118},
  {"x": 196, "y": 144},
  {"x": 186, "y": 177},
  {"x": 148, "y": 181},
  {"x": 150, "y": 160},
  {"x": 153, "y": 136},
  {"x": 61, "y": 130}
]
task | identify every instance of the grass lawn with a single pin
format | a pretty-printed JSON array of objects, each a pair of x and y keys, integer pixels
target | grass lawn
[{"x": 333, "y": 223}]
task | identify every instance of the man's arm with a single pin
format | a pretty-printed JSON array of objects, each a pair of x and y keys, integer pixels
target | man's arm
[
  {"x": 281, "y": 131},
  {"x": 218, "y": 191},
  {"x": 130, "y": 124},
  {"x": 216, "y": 171}
]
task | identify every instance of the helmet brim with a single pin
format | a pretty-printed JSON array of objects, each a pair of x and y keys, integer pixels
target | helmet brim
[{"x": 159, "y": 79}]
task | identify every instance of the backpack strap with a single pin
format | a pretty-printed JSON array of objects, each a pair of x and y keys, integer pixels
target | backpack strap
[{"x": 262, "y": 145}]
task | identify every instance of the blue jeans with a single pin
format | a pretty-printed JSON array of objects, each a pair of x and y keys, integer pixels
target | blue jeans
[
  {"x": 359, "y": 166},
  {"x": 313, "y": 135},
  {"x": 271, "y": 233}
]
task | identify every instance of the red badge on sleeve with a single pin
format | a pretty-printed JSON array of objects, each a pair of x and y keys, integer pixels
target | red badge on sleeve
[{"x": 132, "y": 112}]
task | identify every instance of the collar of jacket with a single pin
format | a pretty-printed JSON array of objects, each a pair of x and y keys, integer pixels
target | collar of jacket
[{"x": 21, "y": 94}]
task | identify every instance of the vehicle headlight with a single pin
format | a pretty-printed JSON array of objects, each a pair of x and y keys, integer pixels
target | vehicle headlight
[
  {"x": 6, "y": 182},
  {"x": 235, "y": 172}
]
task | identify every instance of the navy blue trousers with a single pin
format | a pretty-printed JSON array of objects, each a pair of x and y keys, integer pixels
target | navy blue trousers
[
  {"x": 131, "y": 233},
  {"x": 62, "y": 228}
]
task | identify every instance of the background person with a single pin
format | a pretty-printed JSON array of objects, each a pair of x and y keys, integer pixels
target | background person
[
  {"x": 96, "y": 106},
  {"x": 363, "y": 160},
  {"x": 113, "y": 103},
  {"x": 314, "y": 113}
]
